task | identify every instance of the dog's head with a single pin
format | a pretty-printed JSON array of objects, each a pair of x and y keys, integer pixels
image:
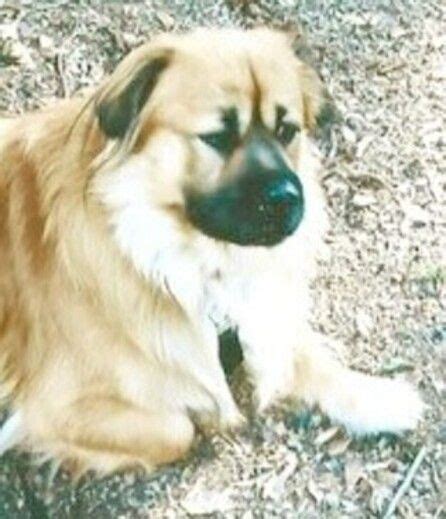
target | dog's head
[{"x": 212, "y": 125}]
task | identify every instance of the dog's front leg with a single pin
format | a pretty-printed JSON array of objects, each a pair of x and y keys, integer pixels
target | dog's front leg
[
  {"x": 285, "y": 358},
  {"x": 193, "y": 346},
  {"x": 365, "y": 404},
  {"x": 267, "y": 330}
]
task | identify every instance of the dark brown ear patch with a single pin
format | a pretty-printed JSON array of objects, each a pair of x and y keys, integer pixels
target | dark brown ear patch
[
  {"x": 118, "y": 115},
  {"x": 327, "y": 116}
]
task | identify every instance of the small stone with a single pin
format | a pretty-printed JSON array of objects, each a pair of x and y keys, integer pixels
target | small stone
[
  {"x": 348, "y": 134},
  {"x": 439, "y": 72},
  {"x": 363, "y": 200},
  {"x": 130, "y": 40},
  {"x": 9, "y": 31},
  {"x": 22, "y": 54},
  {"x": 46, "y": 43},
  {"x": 416, "y": 216},
  {"x": 363, "y": 323},
  {"x": 166, "y": 20},
  {"x": 205, "y": 501},
  {"x": 273, "y": 489}
]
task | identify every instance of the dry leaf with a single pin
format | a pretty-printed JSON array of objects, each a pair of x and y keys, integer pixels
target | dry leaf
[
  {"x": 327, "y": 435},
  {"x": 338, "y": 446}
]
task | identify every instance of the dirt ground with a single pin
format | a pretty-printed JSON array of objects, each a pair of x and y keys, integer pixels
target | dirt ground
[{"x": 381, "y": 291}]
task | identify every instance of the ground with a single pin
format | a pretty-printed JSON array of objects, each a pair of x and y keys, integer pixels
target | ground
[{"x": 381, "y": 291}]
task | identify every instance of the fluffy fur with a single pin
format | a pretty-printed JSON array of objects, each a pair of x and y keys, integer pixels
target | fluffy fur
[{"x": 111, "y": 302}]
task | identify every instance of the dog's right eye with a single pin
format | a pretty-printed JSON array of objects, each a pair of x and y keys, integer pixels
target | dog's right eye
[{"x": 224, "y": 141}]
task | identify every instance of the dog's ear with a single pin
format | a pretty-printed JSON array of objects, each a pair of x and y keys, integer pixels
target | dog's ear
[
  {"x": 127, "y": 91},
  {"x": 320, "y": 112}
]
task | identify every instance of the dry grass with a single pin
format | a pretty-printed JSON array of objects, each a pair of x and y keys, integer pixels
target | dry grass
[{"x": 382, "y": 291}]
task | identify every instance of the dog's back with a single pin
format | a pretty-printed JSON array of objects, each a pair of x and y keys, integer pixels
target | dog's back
[
  {"x": 5, "y": 263},
  {"x": 10, "y": 342}
]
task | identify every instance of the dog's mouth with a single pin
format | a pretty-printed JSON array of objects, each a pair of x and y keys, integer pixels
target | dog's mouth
[{"x": 252, "y": 211}]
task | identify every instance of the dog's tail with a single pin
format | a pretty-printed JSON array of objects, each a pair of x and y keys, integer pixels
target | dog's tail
[{"x": 12, "y": 433}]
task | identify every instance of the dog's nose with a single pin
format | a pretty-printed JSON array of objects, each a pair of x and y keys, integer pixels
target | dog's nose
[
  {"x": 283, "y": 201},
  {"x": 284, "y": 192},
  {"x": 284, "y": 196}
]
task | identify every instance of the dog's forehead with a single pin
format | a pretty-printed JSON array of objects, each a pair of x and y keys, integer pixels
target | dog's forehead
[
  {"x": 231, "y": 42},
  {"x": 239, "y": 61},
  {"x": 235, "y": 69}
]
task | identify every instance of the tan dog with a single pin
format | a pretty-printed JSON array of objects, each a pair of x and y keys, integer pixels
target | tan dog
[{"x": 180, "y": 199}]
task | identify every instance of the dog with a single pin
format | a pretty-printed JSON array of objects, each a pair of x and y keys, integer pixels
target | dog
[{"x": 179, "y": 199}]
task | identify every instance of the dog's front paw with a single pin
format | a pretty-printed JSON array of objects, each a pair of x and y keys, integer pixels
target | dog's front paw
[
  {"x": 367, "y": 405},
  {"x": 232, "y": 422}
]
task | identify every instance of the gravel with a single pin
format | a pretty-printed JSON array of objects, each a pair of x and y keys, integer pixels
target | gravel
[{"x": 381, "y": 290}]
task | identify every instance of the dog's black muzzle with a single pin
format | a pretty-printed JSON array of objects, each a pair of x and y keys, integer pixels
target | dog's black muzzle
[{"x": 261, "y": 205}]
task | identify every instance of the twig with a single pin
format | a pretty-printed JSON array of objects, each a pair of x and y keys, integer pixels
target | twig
[
  {"x": 403, "y": 488},
  {"x": 383, "y": 71},
  {"x": 60, "y": 70}
]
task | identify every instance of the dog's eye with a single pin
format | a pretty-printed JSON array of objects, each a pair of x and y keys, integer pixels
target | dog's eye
[
  {"x": 285, "y": 132},
  {"x": 224, "y": 141}
]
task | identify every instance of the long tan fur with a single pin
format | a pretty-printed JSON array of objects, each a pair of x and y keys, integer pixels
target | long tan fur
[{"x": 110, "y": 301}]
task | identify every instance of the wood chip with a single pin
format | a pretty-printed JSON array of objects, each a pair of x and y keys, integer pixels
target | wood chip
[
  {"x": 339, "y": 446},
  {"x": 327, "y": 435}
]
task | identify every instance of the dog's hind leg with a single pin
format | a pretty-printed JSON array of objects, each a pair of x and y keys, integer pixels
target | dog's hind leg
[{"x": 107, "y": 434}]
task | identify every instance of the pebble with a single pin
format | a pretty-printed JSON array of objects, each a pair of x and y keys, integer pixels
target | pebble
[
  {"x": 166, "y": 20},
  {"x": 9, "y": 31},
  {"x": 416, "y": 216},
  {"x": 205, "y": 501},
  {"x": 46, "y": 43},
  {"x": 362, "y": 200},
  {"x": 364, "y": 323}
]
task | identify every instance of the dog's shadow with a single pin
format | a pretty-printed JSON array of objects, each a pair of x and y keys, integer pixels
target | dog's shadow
[{"x": 31, "y": 491}]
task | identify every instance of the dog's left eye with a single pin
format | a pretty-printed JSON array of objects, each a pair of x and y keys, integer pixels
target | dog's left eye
[
  {"x": 285, "y": 132},
  {"x": 224, "y": 141}
]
